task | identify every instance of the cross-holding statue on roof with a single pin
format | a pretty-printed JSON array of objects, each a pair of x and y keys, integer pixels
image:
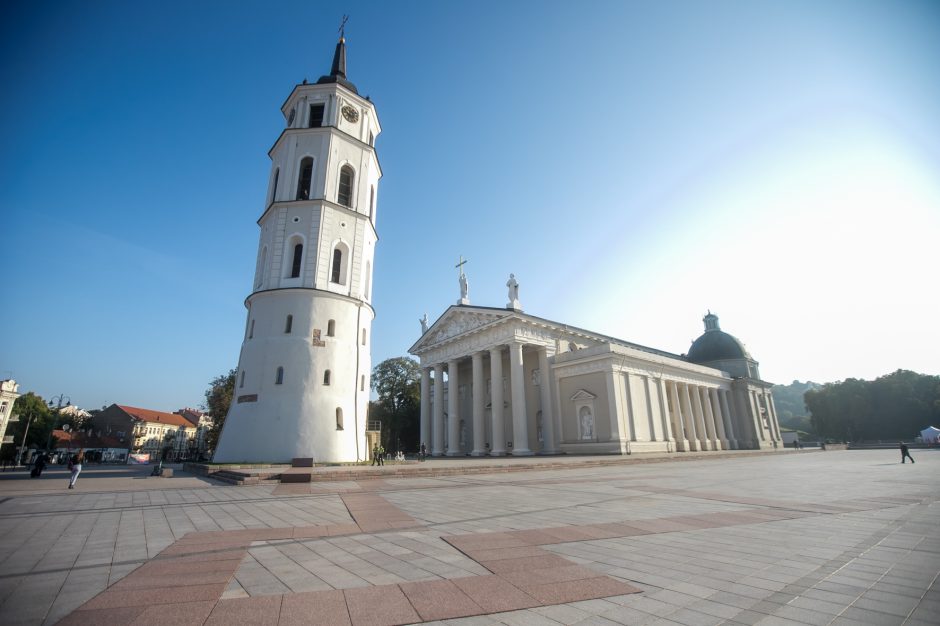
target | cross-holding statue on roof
[
  {"x": 513, "y": 294},
  {"x": 424, "y": 324},
  {"x": 464, "y": 285}
]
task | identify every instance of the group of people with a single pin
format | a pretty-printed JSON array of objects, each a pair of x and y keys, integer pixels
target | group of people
[{"x": 75, "y": 466}]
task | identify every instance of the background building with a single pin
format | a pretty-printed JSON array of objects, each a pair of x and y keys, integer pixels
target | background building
[
  {"x": 166, "y": 436},
  {"x": 8, "y": 395}
]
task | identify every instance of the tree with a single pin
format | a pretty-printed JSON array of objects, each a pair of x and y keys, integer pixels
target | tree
[
  {"x": 397, "y": 381},
  {"x": 896, "y": 406},
  {"x": 218, "y": 400},
  {"x": 32, "y": 410}
]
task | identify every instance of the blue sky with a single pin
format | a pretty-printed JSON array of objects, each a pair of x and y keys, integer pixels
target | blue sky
[{"x": 633, "y": 163}]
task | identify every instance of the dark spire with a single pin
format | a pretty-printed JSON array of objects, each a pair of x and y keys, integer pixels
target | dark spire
[
  {"x": 338, "y": 70},
  {"x": 339, "y": 60}
]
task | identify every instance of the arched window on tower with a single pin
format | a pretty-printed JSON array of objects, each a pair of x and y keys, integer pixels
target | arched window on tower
[
  {"x": 277, "y": 174},
  {"x": 367, "y": 292},
  {"x": 338, "y": 266},
  {"x": 371, "y": 200},
  {"x": 289, "y": 324},
  {"x": 362, "y": 383},
  {"x": 251, "y": 330},
  {"x": 363, "y": 336},
  {"x": 331, "y": 328},
  {"x": 241, "y": 380},
  {"x": 339, "y": 418},
  {"x": 279, "y": 379},
  {"x": 346, "y": 179},
  {"x": 326, "y": 377},
  {"x": 295, "y": 262},
  {"x": 262, "y": 267},
  {"x": 306, "y": 175}
]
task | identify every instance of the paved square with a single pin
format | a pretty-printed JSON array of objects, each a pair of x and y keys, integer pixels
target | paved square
[{"x": 807, "y": 538}]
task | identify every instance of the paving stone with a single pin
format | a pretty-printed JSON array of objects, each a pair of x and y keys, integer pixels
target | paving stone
[
  {"x": 379, "y": 606},
  {"x": 259, "y": 611}
]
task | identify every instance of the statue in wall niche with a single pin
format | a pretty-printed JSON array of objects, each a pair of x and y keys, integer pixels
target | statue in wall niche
[
  {"x": 424, "y": 323},
  {"x": 463, "y": 433},
  {"x": 587, "y": 423}
]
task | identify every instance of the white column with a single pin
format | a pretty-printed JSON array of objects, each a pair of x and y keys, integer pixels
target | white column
[
  {"x": 728, "y": 418},
  {"x": 689, "y": 419},
  {"x": 437, "y": 429},
  {"x": 758, "y": 422},
  {"x": 545, "y": 393},
  {"x": 709, "y": 419},
  {"x": 682, "y": 443},
  {"x": 520, "y": 418},
  {"x": 496, "y": 395},
  {"x": 719, "y": 422},
  {"x": 453, "y": 409},
  {"x": 664, "y": 411},
  {"x": 479, "y": 384},
  {"x": 425, "y": 408},
  {"x": 615, "y": 384},
  {"x": 772, "y": 415},
  {"x": 700, "y": 431}
]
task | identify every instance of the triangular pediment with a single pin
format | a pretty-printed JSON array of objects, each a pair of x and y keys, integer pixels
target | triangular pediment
[
  {"x": 456, "y": 321},
  {"x": 581, "y": 394}
]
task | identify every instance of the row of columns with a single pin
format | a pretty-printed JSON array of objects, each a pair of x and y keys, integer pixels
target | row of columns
[
  {"x": 763, "y": 398},
  {"x": 701, "y": 417},
  {"x": 432, "y": 413}
]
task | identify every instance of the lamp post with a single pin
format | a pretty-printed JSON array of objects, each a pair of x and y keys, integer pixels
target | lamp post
[{"x": 58, "y": 412}]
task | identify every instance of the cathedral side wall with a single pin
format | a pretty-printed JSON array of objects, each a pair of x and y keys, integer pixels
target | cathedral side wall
[{"x": 594, "y": 383}]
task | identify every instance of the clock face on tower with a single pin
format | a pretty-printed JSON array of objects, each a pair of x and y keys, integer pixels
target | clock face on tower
[{"x": 351, "y": 114}]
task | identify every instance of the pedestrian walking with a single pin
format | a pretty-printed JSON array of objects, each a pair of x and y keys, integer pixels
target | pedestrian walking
[
  {"x": 905, "y": 453},
  {"x": 38, "y": 466},
  {"x": 75, "y": 466},
  {"x": 424, "y": 451},
  {"x": 381, "y": 455}
]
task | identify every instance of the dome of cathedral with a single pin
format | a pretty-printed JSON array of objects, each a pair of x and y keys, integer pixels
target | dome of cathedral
[{"x": 715, "y": 344}]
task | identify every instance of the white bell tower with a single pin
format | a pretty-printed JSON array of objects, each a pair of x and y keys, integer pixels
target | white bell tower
[{"x": 302, "y": 386}]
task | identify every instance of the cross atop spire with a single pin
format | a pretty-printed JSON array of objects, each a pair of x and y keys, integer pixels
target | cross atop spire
[{"x": 338, "y": 69}]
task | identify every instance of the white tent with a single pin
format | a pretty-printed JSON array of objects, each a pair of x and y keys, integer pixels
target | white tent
[{"x": 930, "y": 434}]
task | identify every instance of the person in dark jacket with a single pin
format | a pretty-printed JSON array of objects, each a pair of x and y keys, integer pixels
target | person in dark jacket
[{"x": 905, "y": 454}]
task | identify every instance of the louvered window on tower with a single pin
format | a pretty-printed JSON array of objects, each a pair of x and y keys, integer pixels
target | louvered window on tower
[
  {"x": 344, "y": 195},
  {"x": 295, "y": 265},
  {"x": 306, "y": 175},
  {"x": 316, "y": 115},
  {"x": 337, "y": 266}
]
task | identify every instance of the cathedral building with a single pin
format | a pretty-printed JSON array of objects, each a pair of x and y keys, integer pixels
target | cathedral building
[
  {"x": 302, "y": 384},
  {"x": 521, "y": 385}
]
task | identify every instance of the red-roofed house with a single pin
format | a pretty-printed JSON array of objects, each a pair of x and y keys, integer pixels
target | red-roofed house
[
  {"x": 163, "y": 435},
  {"x": 97, "y": 447}
]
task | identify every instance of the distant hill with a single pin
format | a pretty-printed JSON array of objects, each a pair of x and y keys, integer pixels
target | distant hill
[{"x": 791, "y": 411}]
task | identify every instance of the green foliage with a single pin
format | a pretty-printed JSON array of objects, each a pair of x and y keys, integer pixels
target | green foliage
[
  {"x": 791, "y": 409},
  {"x": 218, "y": 400},
  {"x": 895, "y": 406},
  {"x": 397, "y": 381},
  {"x": 27, "y": 406}
]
